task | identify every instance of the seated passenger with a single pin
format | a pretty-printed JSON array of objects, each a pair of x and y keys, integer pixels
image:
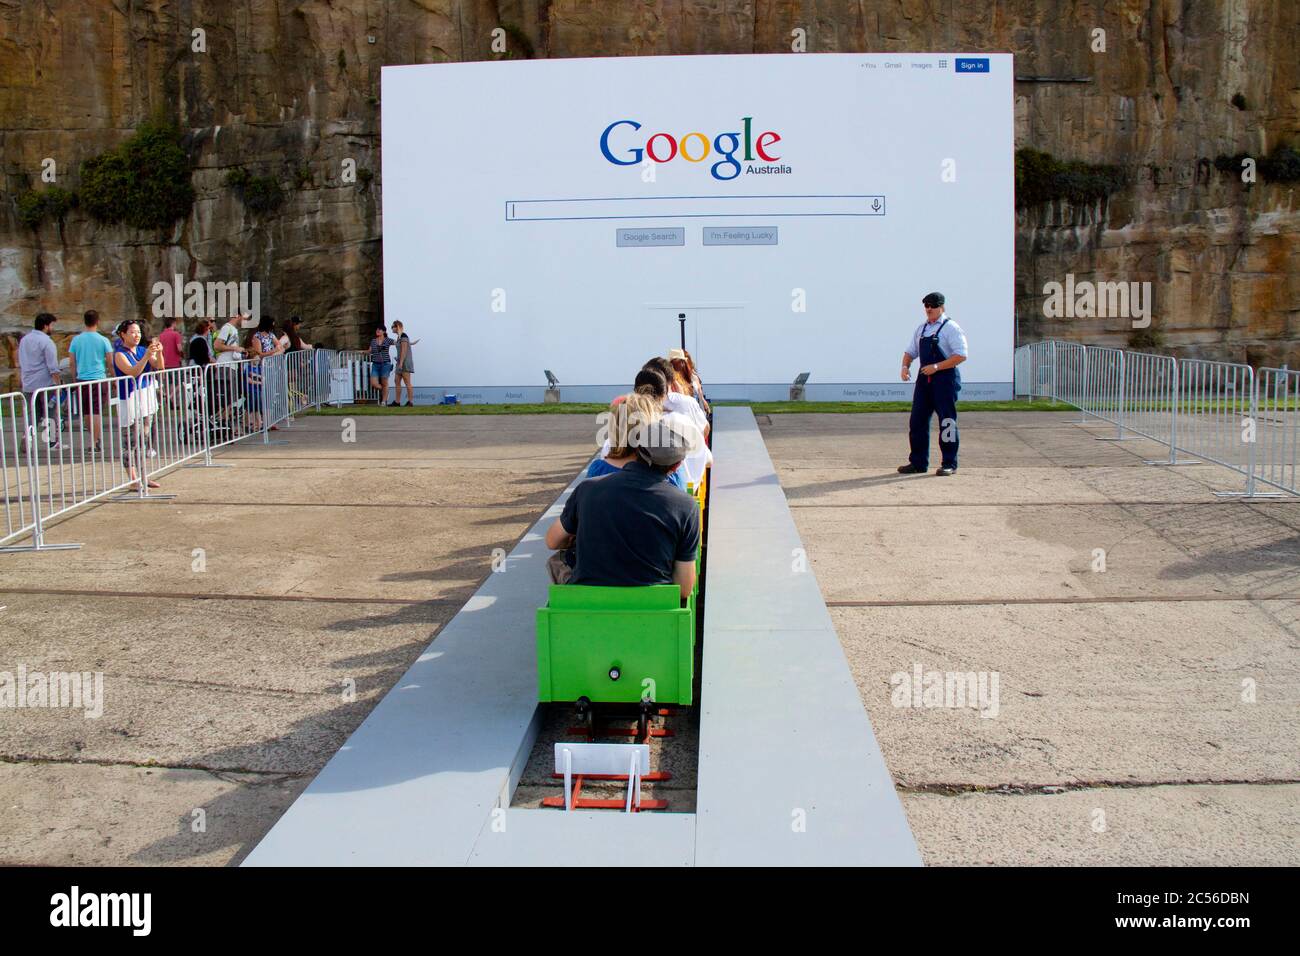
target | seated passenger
[
  {"x": 684, "y": 365},
  {"x": 627, "y": 413},
  {"x": 632, "y": 528},
  {"x": 679, "y": 400},
  {"x": 650, "y": 383}
]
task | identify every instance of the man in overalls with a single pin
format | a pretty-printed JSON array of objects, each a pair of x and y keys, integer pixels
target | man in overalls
[{"x": 941, "y": 346}]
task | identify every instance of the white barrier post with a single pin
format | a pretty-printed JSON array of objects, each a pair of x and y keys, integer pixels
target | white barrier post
[
  {"x": 1083, "y": 389},
  {"x": 1173, "y": 415},
  {"x": 1054, "y": 370},
  {"x": 1252, "y": 453},
  {"x": 1119, "y": 417}
]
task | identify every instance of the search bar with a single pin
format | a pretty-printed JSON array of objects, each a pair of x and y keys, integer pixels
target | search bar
[{"x": 692, "y": 207}]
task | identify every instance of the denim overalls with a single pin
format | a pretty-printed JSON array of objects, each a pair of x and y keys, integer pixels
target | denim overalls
[{"x": 934, "y": 394}]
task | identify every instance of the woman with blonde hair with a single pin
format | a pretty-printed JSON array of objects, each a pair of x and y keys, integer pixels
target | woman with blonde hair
[
  {"x": 639, "y": 409},
  {"x": 628, "y": 413}
]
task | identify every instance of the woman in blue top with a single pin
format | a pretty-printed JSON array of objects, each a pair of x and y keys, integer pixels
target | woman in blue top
[{"x": 134, "y": 414}]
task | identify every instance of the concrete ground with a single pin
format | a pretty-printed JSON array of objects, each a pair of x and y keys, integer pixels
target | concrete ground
[
  {"x": 1143, "y": 634},
  {"x": 246, "y": 627},
  {"x": 1145, "y": 713}
]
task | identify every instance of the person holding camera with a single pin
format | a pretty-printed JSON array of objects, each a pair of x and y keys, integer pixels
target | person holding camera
[{"x": 131, "y": 360}]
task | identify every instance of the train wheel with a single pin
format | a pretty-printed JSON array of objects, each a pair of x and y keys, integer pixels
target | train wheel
[
  {"x": 643, "y": 722},
  {"x": 586, "y": 717}
]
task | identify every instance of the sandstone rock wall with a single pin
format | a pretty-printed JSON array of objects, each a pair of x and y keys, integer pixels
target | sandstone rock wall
[{"x": 291, "y": 88}]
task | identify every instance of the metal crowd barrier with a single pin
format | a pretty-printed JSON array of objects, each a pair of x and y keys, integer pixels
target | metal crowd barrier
[
  {"x": 1038, "y": 368},
  {"x": 1070, "y": 374},
  {"x": 359, "y": 364},
  {"x": 78, "y": 449},
  {"x": 273, "y": 374},
  {"x": 1214, "y": 407},
  {"x": 1104, "y": 396},
  {"x": 66, "y": 446},
  {"x": 233, "y": 405},
  {"x": 15, "y": 464},
  {"x": 1149, "y": 380},
  {"x": 303, "y": 382},
  {"x": 1277, "y": 428},
  {"x": 1219, "y": 412},
  {"x": 178, "y": 432}
]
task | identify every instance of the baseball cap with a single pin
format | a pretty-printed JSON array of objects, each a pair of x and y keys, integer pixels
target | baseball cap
[{"x": 666, "y": 442}]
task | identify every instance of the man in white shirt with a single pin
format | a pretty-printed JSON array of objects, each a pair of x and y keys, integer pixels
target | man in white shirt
[
  {"x": 227, "y": 344},
  {"x": 940, "y": 344},
  {"x": 226, "y": 383}
]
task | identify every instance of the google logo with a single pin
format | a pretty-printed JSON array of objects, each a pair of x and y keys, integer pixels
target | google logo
[{"x": 694, "y": 147}]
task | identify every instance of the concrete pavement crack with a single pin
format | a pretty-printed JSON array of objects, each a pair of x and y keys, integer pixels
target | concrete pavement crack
[
  {"x": 143, "y": 765},
  {"x": 1052, "y": 789}
]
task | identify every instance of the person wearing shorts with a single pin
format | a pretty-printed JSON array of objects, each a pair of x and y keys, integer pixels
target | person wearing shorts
[
  {"x": 381, "y": 361},
  {"x": 90, "y": 353},
  {"x": 253, "y": 391}
]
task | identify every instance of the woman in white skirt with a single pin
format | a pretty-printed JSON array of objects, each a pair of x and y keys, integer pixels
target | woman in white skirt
[{"x": 138, "y": 402}]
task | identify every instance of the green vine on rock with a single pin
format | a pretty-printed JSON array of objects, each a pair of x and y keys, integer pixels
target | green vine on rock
[
  {"x": 259, "y": 194},
  {"x": 144, "y": 182},
  {"x": 53, "y": 203},
  {"x": 1280, "y": 166},
  {"x": 1041, "y": 178}
]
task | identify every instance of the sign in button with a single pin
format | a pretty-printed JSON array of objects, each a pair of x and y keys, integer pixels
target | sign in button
[
  {"x": 740, "y": 235},
  {"x": 667, "y": 236},
  {"x": 972, "y": 64}
]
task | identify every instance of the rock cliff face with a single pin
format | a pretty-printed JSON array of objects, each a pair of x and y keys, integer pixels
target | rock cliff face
[{"x": 289, "y": 88}]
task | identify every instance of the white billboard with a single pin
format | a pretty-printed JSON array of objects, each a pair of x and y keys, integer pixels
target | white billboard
[{"x": 562, "y": 214}]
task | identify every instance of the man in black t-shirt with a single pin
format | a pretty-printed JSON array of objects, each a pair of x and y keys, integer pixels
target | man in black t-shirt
[
  {"x": 200, "y": 356},
  {"x": 634, "y": 527}
]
